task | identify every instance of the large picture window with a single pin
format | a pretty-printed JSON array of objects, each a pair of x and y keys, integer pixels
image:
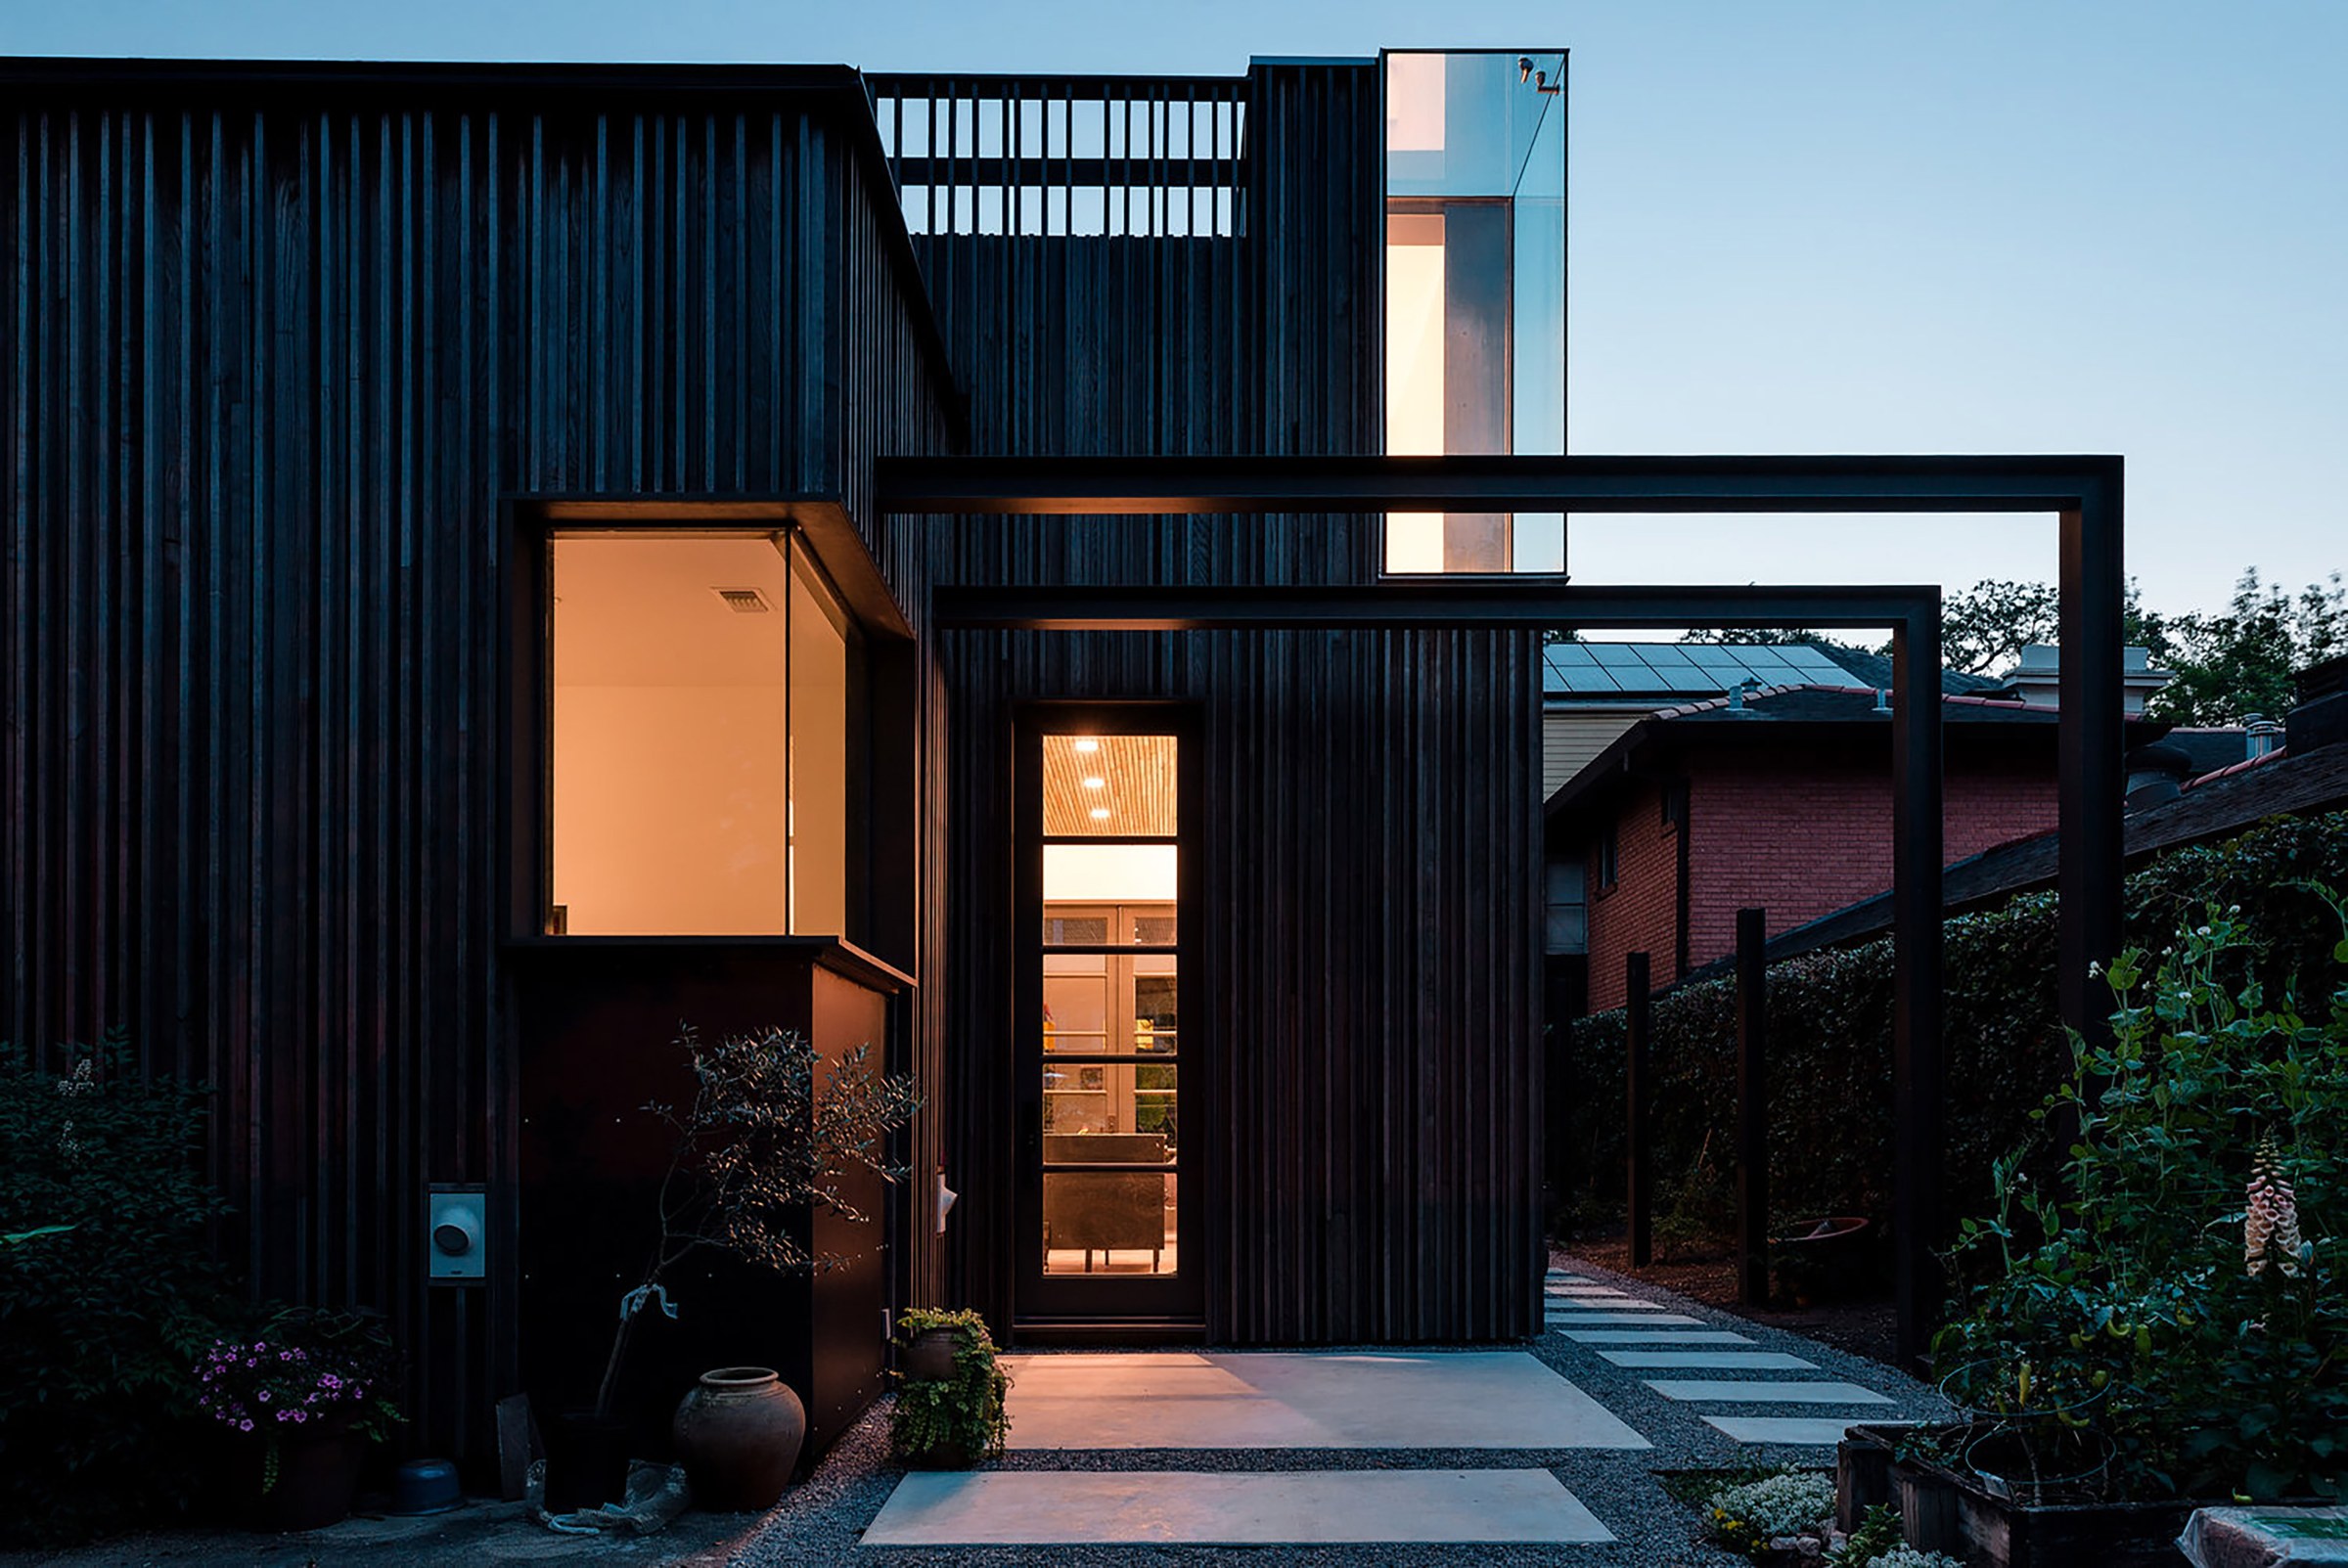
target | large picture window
[{"x": 702, "y": 727}]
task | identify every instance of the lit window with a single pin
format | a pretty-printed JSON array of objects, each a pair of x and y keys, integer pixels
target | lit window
[{"x": 700, "y": 737}]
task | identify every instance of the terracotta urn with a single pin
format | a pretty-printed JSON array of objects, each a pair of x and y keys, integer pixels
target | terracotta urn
[
  {"x": 930, "y": 1359},
  {"x": 739, "y": 1433}
]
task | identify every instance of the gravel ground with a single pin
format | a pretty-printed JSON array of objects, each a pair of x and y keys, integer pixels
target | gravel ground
[{"x": 821, "y": 1520}]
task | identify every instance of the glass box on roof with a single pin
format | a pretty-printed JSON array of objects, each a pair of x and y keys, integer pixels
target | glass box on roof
[{"x": 1475, "y": 289}]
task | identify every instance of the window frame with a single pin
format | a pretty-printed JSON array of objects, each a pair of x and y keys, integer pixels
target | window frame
[{"x": 884, "y": 774}]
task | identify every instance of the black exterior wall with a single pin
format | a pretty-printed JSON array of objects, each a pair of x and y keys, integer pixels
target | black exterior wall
[
  {"x": 276, "y": 344},
  {"x": 288, "y": 355},
  {"x": 1371, "y": 1072}
]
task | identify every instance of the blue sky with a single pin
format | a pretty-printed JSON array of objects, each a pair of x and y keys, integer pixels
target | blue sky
[{"x": 1800, "y": 226}]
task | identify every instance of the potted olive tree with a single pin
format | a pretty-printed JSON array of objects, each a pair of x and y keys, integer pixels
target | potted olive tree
[{"x": 769, "y": 1136}]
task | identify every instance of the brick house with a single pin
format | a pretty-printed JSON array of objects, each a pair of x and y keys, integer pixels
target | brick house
[{"x": 1779, "y": 799}]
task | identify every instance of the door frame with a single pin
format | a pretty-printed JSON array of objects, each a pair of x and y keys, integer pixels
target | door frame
[{"x": 1125, "y": 1307}]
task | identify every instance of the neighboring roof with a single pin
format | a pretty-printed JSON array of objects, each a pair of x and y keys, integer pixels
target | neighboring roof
[
  {"x": 2211, "y": 807},
  {"x": 1678, "y": 669},
  {"x": 1598, "y": 671},
  {"x": 1782, "y": 713},
  {"x": 2209, "y": 750},
  {"x": 1847, "y": 705},
  {"x": 1875, "y": 669}
]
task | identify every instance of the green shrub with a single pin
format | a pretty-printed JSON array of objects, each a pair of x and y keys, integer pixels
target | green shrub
[
  {"x": 952, "y": 1420},
  {"x": 1829, "y": 1033},
  {"x": 2183, "y": 1287},
  {"x": 109, "y": 1293}
]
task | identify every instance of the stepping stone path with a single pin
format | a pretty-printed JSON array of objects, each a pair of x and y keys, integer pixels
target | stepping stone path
[
  {"x": 1603, "y": 1320},
  {"x": 1072, "y": 1413}
]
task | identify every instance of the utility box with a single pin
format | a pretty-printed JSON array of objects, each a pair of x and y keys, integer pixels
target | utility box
[{"x": 457, "y": 1235}]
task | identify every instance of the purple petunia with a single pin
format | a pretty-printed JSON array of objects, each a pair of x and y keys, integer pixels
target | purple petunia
[{"x": 246, "y": 1425}]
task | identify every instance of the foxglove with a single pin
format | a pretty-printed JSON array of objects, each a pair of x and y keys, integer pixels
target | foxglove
[{"x": 2270, "y": 1219}]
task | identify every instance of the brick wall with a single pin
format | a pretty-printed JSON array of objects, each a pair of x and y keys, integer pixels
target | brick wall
[
  {"x": 1641, "y": 909},
  {"x": 1796, "y": 831},
  {"x": 1803, "y": 835}
]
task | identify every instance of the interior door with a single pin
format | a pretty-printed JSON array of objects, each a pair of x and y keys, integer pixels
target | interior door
[{"x": 1103, "y": 1059}]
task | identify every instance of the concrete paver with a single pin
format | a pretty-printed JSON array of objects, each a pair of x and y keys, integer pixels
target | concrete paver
[{"x": 1308, "y": 1507}]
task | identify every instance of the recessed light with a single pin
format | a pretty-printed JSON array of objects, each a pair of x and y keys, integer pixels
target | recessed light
[
  {"x": 1100, "y": 814},
  {"x": 1096, "y": 783},
  {"x": 1088, "y": 748}
]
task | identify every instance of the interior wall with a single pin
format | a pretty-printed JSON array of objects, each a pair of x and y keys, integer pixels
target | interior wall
[{"x": 669, "y": 809}]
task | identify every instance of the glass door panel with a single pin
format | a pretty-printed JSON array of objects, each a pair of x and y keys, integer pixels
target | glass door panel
[{"x": 1104, "y": 1164}]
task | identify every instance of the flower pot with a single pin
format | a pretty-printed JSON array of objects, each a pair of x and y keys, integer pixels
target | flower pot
[
  {"x": 930, "y": 1359},
  {"x": 586, "y": 1461},
  {"x": 317, "y": 1475},
  {"x": 739, "y": 1432}
]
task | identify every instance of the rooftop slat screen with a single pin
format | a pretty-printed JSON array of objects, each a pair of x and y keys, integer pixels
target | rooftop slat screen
[{"x": 1066, "y": 156}]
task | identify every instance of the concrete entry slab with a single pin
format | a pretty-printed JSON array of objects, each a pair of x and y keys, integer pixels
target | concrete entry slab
[
  {"x": 1743, "y": 1361},
  {"x": 1593, "y": 1320},
  {"x": 1291, "y": 1400},
  {"x": 1653, "y": 1336},
  {"x": 1300, "y": 1508},
  {"x": 1729, "y": 1391}
]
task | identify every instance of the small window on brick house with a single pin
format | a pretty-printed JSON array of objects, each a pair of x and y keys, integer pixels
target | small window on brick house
[
  {"x": 1609, "y": 859},
  {"x": 1568, "y": 908}
]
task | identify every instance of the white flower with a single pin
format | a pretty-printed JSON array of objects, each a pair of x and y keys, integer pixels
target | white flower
[
  {"x": 1909, "y": 1558},
  {"x": 2093, "y": 968},
  {"x": 1780, "y": 1504}
]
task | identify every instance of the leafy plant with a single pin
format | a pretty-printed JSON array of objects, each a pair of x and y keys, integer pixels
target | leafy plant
[
  {"x": 2211, "y": 1135},
  {"x": 1829, "y": 1036},
  {"x": 766, "y": 1138},
  {"x": 304, "y": 1371},
  {"x": 1877, "y": 1533},
  {"x": 108, "y": 1290},
  {"x": 958, "y": 1418}
]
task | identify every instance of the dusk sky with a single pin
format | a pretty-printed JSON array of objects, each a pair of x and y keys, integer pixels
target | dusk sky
[{"x": 1836, "y": 226}]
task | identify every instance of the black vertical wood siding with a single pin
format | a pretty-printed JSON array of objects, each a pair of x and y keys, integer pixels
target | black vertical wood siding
[
  {"x": 272, "y": 346},
  {"x": 1372, "y": 1084}
]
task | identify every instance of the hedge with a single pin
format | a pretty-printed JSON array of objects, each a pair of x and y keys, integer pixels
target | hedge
[{"x": 1829, "y": 1041}]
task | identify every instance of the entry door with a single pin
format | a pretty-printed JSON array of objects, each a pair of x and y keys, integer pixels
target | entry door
[{"x": 1108, "y": 1140}]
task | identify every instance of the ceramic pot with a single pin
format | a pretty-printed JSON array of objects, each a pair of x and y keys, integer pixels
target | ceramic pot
[
  {"x": 739, "y": 1433},
  {"x": 317, "y": 1475},
  {"x": 586, "y": 1461},
  {"x": 930, "y": 1359}
]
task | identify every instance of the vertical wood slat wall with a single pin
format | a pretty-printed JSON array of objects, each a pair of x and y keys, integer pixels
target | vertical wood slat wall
[
  {"x": 269, "y": 353},
  {"x": 1372, "y": 1066}
]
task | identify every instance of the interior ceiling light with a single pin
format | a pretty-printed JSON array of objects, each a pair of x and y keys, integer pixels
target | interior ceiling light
[
  {"x": 1088, "y": 747},
  {"x": 1096, "y": 783},
  {"x": 745, "y": 601},
  {"x": 1100, "y": 814}
]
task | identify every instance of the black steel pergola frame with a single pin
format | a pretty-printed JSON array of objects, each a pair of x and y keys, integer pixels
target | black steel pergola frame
[{"x": 2085, "y": 493}]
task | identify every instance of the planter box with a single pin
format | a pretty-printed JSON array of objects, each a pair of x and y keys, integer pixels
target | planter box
[{"x": 1942, "y": 1509}]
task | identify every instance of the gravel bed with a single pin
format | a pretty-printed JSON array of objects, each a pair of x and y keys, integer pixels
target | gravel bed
[{"x": 822, "y": 1520}]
